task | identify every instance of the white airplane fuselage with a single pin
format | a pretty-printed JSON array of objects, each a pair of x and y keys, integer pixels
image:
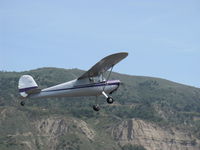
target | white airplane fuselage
[
  {"x": 91, "y": 83},
  {"x": 76, "y": 88}
]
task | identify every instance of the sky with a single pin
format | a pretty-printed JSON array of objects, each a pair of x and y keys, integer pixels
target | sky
[{"x": 161, "y": 37}]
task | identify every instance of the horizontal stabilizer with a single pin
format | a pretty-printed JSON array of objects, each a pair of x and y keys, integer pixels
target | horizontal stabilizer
[{"x": 33, "y": 91}]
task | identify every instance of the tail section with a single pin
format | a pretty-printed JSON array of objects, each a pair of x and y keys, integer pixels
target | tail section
[{"x": 27, "y": 85}]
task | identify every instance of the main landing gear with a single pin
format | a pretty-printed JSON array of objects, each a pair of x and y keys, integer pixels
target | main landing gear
[
  {"x": 96, "y": 107},
  {"x": 22, "y": 103},
  {"x": 109, "y": 100}
]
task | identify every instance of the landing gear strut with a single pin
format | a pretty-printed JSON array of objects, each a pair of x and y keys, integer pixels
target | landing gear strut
[
  {"x": 96, "y": 107},
  {"x": 109, "y": 99}
]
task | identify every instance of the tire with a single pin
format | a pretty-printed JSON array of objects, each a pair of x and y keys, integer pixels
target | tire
[
  {"x": 110, "y": 100},
  {"x": 96, "y": 107},
  {"x": 22, "y": 103}
]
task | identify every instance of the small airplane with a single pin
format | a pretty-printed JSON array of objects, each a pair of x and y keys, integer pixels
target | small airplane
[{"x": 91, "y": 83}]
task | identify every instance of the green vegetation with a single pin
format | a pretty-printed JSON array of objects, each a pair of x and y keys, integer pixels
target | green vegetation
[{"x": 157, "y": 100}]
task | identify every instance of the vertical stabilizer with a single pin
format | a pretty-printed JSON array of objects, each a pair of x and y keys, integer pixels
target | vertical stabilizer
[{"x": 26, "y": 84}]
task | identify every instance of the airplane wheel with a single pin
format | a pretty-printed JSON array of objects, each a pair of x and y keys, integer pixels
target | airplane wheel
[
  {"x": 22, "y": 103},
  {"x": 96, "y": 107},
  {"x": 110, "y": 100}
]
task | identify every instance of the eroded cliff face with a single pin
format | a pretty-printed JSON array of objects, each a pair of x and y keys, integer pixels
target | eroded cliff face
[
  {"x": 153, "y": 137},
  {"x": 50, "y": 130},
  {"x": 65, "y": 132},
  {"x": 54, "y": 132}
]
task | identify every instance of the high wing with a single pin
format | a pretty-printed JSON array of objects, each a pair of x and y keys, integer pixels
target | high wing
[{"x": 103, "y": 65}]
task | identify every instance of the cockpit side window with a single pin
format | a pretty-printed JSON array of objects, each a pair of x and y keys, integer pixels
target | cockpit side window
[{"x": 97, "y": 79}]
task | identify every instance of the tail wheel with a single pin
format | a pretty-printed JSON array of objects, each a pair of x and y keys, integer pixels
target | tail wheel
[
  {"x": 96, "y": 107},
  {"x": 22, "y": 103},
  {"x": 110, "y": 100}
]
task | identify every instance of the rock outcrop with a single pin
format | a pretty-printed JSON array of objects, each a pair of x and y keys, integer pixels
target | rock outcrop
[
  {"x": 51, "y": 129},
  {"x": 66, "y": 132},
  {"x": 153, "y": 137}
]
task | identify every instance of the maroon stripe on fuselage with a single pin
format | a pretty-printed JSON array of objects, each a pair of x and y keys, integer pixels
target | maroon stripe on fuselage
[
  {"x": 27, "y": 89},
  {"x": 87, "y": 86}
]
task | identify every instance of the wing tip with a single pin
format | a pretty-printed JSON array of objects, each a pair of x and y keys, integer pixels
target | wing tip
[{"x": 121, "y": 53}]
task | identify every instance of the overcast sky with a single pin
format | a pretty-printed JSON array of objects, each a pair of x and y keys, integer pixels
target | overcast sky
[{"x": 162, "y": 37}]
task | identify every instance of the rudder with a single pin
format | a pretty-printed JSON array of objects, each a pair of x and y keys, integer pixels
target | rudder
[{"x": 26, "y": 85}]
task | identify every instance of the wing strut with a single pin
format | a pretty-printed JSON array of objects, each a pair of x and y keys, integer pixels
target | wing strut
[
  {"x": 109, "y": 99},
  {"x": 108, "y": 77}
]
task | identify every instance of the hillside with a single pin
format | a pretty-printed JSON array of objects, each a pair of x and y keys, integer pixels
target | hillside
[{"x": 149, "y": 113}]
